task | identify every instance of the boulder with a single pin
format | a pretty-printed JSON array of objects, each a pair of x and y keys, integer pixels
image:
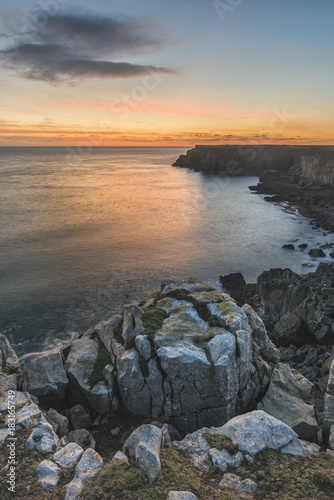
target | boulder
[
  {"x": 144, "y": 444},
  {"x": 317, "y": 252},
  {"x": 82, "y": 437},
  {"x": 250, "y": 434},
  {"x": 328, "y": 413},
  {"x": 132, "y": 323},
  {"x": 43, "y": 439},
  {"x": 68, "y": 456},
  {"x": 331, "y": 438},
  {"x": 9, "y": 362},
  {"x": 290, "y": 399},
  {"x": 58, "y": 421},
  {"x": 120, "y": 458},
  {"x": 84, "y": 366},
  {"x": 44, "y": 375},
  {"x": 212, "y": 358},
  {"x": 15, "y": 398},
  {"x": 7, "y": 383},
  {"x": 291, "y": 330},
  {"x": 47, "y": 474},
  {"x": 27, "y": 417},
  {"x": 223, "y": 459},
  {"x": 289, "y": 246},
  {"x": 79, "y": 418},
  {"x": 89, "y": 465},
  {"x": 330, "y": 384},
  {"x": 106, "y": 330},
  {"x": 234, "y": 482},
  {"x": 181, "y": 495}
]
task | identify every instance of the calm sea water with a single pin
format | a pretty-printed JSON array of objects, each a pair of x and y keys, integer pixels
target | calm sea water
[{"x": 82, "y": 233}]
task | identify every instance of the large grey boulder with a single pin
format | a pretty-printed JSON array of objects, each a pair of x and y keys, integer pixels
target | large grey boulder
[
  {"x": 290, "y": 330},
  {"x": 47, "y": 474},
  {"x": 87, "y": 384},
  {"x": 16, "y": 398},
  {"x": 144, "y": 445},
  {"x": 7, "y": 383},
  {"x": 27, "y": 417},
  {"x": 43, "y": 439},
  {"x": 248, "y": 435},
  {"x": 44, "y": 375},
  {"x": 196, "y": 358},
  {"x": 290, "y": 399}
]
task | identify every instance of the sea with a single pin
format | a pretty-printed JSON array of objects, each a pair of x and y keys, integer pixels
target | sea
[{"x": 85, "y": 230}]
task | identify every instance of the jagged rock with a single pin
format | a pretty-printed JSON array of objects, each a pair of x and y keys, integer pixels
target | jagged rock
[
  {"x": 17, "y": 398},
  {"x": 330, "y": 384},
  {"x": 251, "y": 433},
  {"x": 106, "y": 330},
  {"x": 328, "y": 413},
  {"x": 9, "y": 362},
  {"x": 312, "y": 449},
  {"x": 212, "y": 358},
  {"x": 132, "y": 324},
  {"x": 144, "y": 444},
  {"x": 317, "y": 252},
  {"x": 58, "y": 421},
  {"x": 222, "y": 459},
  {"x": 290, "y": 330},
  {"x": 47, "y": 474},
  {"x": 28, "y": 416},
  {"x": 4, "y": 433},
  {"x": 290, "y": 399},
  {"x": 43, "y": 439},
  {"x": 331, "y": 438},
  {"x": 257, "y": 430},
  {"x": 44, "y": 375},
  {"x": 68, "y": 456},
  {"x": 82, "y": 365},
  {"x": 82, "y": 437},
  {"x": 79, "y": 418},
  {"x": 89, "y": 465},
  {"x": 7, "y": 383},
  {"x": 296, "y": 447},
  {"x": 120, "y": 458},
  {"x": 181, "y": 495}
]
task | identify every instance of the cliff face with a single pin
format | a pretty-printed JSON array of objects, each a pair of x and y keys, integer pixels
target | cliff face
[
  {"x": 318, "y": 161},
  {"x": 318, "y": 169}
]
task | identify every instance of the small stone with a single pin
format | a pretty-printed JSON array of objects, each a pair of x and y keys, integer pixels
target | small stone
[
  {"x": 47, "y": 474},
  {"x": 120, "y": 458},
  {"x": 247, "y": 486},
  {"x": 181, "y": 495},
  {"x": 317, "y": 252},
  {"x": 230, "y": 481},
  {"x": 115, "y": 432},
  {"x": 68, "y": 456}
]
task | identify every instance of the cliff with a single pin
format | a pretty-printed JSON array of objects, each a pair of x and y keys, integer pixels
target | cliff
[{"x": 317, "y": 162}]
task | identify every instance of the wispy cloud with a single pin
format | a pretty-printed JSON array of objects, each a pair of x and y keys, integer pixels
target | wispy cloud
[{"x": 71, "y": 47}]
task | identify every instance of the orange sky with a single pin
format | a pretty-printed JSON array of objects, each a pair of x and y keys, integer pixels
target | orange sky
[{"x": 193, "y": 79}]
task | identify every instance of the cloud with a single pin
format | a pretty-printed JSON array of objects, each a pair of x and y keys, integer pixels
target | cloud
[{"x": 71, "y": 47}]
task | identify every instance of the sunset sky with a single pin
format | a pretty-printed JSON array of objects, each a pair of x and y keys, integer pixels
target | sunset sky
[{"x": 151, "y": 72}]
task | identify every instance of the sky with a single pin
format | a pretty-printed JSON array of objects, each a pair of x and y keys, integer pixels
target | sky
[{"x": 157, "y": 73}]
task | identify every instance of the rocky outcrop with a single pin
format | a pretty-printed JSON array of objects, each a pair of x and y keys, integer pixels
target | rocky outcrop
[
  {"x": 9, "y": 366},
  {"x": 290, "y": 399}
]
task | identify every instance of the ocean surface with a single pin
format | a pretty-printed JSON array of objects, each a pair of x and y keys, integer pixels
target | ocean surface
[{"x": 83, "y": 231}]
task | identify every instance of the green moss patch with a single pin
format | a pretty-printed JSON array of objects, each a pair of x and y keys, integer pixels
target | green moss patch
[
  {"x": 221, "y": 443},
  {"x": 152, "y": 320},
  {"x": 323, "y": 482},
  {"x": 103, "y": 359}
]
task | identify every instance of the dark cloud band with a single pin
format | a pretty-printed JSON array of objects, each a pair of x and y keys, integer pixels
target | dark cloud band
[{"x": 70, "y": 47}]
